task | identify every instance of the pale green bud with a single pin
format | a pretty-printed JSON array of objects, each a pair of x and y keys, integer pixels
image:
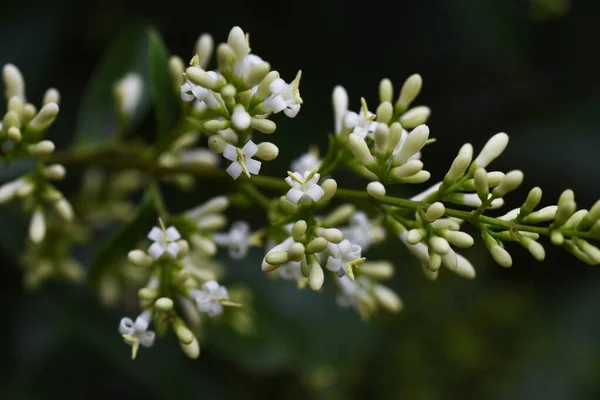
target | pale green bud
[
  {"x": 287, "y": 205},
  {"x": 492, "y": 149},
  {"x": 316, "y": 245},
  {"x": 395, "y": 137},
  {"x": 316, "y": 276},
  {"x": 414, "y": 236},
  {"x": 536, "y": 249},
  {"x": 387, "y": 298},
  {"x": 376, "y": 189},
  {"x": 385, "y": 112},
  {"x": 16, "y": 104},
  {"x": 211, "y": 222},
  {"x": 29, "y": 111},
  {"x": 148, "y": 294},
  {"x": 439, "y": 245},
  {"x": 509, "y": 216},
  {"x": 44, "y": 118},
  {"x": 501, "y": 256},
  {"x": 592, "y": 251},
  {"x": 480, "y": 179},
  {"x": 446, "y": 223},
  {"x": 459, "y": 239},
  {"x": 184, "y": 335},
  {"x": 237, "y": 41},
  {"x": 14, "y": 84},
  {"x": 332, "y": 235},
  {"x": 191, "y": 350},
  {"x": 339, "y": 99},
  {"x": 267, "y": 151},
  {"x": 409, "y": 92},
  {"x": 176, "y": 68},
  {"x": 419, "y": 177},
  {"x": 164, "y": 304},
  {"x": 217, "y": 144},
  {"x": 240, "y": 118},
  {"x": 37, "y": 227},
  {"x": 43, "y": 148},
  {"x": 204, "y": 49},
  {"x": 225, "y": 58},
  {"x": 296, "y": 252},
  {"x": 200, "y": 77},
  {"x": 557, "y": 238},
  {"x": 543, "y": 215},
  {"x": 566, "y": 208},
  {"x": 575, "y": 219},
  {"x": 590, "y": 218},
  {"x": 55, "y": 172},
  {"x": 329, "y": 187},
  {"x": 14, "y": 134},
  {"x": 577, "y": 252},
  {"x": 139, "y": 258},
  {"x": 435, "y": 211},
  {"x": 277, "y": 257},
  {"x": 64, "y": 209},
  {"x": 214, "y": 125},
  {"x": 339, "y": 215},
  {"x": 263, "y": 125},
  {"x": 256, "y": 74},
  {"x": 415, "y": 141},
  {"x": 51, "y": 96},
  {"x": 11, "y": 119},
  {"x": 435, "y": 260},
  {"x": 531, "y": 202},
  {"x": 415, "y": 116},
  {"x": 410, "y": 168},
  {"x": 377, "y": 269},
  {"x": 299, "y": 229},
  {"x": 51, "y": 194},
  {"x": 359, "y": 148},
  {"x": 263, "y": 87},
  {"x": 386, "y": 91},
  {"x": 511, "y": 181},
  {"x": 26, "y": 188},
  {"x": 460, "y": 163},
  {"x": 381, "y": 135}
]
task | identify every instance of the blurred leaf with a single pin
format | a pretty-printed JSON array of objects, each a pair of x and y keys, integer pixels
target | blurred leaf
[
  {"x": 97, "y": 119},
  {"x": 167, "y": 106},
  {"x": 125, "y": 239},
  {"x": 12, "y": 239}
]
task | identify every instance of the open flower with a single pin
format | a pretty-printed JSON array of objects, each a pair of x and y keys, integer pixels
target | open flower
[
  {"x": 137, "y": 333},
  {"x": 242, "y": 160},
  {"x": 344, "y": 257},
  {"x": 306, "y": 163},
  {"x": 190, "y": 91},
  {"x": 209, "y": 299},
  {"x": 237, "y": 240},
  {"x": 306, "y": 186},
  {"x": 355, "y": 294},
  {"x": 362, "y": 123},
  {"x": 284, "y": 97},
  {"x": 164, "y": 242}
]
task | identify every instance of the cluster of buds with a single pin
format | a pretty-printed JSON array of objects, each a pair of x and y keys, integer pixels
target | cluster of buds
[
  {"x": 236, "y": 99},
  {"x": 174, "y": 276},
  {"x": 384, "y": 151},
  {"x": 181, "y": 153}
]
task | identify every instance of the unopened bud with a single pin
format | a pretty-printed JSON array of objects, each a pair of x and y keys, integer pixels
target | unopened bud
[
  {"x": 415, "y": 141},
  {"x": 387, "y": 298},
  {"x": 263, "y": 125},
  {"x": 164, "y": 304},
  {"x": 216, "y": 144},
  {"x": 14, "y": 84},
  {"x": 386, "y": 91},
  {"x": 385, "y": 112},
  {"x": 501, "y": 256},
  {"x": 329, "y": 188},
  {"x": 139, "y": 258},
  {"x": 299, "y": 229},
  {"x": 361, "y": 151},
  {"x": 316, "y": 245},
  {"x": 55, "y": 172},
  {"x": 191, "y": 350},
  {"x": 415, "y": 117},
  {"x": 267, "y": 151},
  {"x": 511, "y": 181},
  {"x": 316, "y": 276},
  {"x": 176, "y": 68},
  {"x": 382, "y": 134},
  {"x": 376, "y": 189},
  {"x": 37, "y": 227},
  {"x": 409, "y": 92},
  {"x": 332, "y": 235},
  {"x": 44, "y": 118},
  {"x": 51, "y": 96},
  {"x": 480, "y": 178},
  {"x": 435, "y": 211},
  {"x": 407, "y": 169},
  {"x": 277, "y": 257},
  {"x": 492, "y": 149},
  {"x": 204, "y": 49}
]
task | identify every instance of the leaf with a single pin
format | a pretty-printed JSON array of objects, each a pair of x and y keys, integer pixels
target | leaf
[
  {"x": 97, "y": 119},
  {"x": 125, "y": 239},
  {"x": 167, "y": 105}
]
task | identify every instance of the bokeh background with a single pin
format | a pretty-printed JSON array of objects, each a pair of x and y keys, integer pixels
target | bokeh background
[{"x": 529, "y": 68}]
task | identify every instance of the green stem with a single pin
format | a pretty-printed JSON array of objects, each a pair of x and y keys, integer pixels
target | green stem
[{"x": 149, "y": 166}]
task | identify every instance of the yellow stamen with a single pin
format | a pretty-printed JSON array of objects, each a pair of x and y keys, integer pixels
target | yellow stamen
[
  {"x": 241, "y": 159},
  {"x": 296, "y": 88},
  {"x": 365, "y": 110},
  {"x": 195, "y": 61},
  {"x": 256, "y": 239},
  {"x": 228, "y": 303},
  {"x": 354, "y": 265},
  {"x": 135, "y": 345},
  {"x": 295, "y": 178}
]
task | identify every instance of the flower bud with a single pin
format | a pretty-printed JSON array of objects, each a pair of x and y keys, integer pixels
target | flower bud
[
  {"x": 191, "y": 350},
  {"x": 501, "y": 256},
  {"x": 329, "y": 187},
  {"x": 386, "y": 91},
  {"x": 382, "y": 134},
  {"x": 410, "y": 168},
  {"x": 200, "y": 77},
  {"x": 543, "y": 215},
  {"x": 316, "y": 276},
  {"x": 531, "y": 202},
  {"x": 387, "y": 298},
  {"x": 439, "y": 245},
  {"x": 316, "y": 245},
  {"x": 361, "y": 151},
  {"x": 204, "y": 49},
  {"x": 419, "y": 177},
  {"x": 296, "y": 252},
  {"x": 492, "y": 149},
  {"x": 395, "y": 137},
  {"x": 267, "y": 151},
  {"x": 11, "y": 119},
  {"x": 14, "y": 134},
  {"x": 376, "y": 189},
  {"x": 43, "y": 119},
  {"x": 575, "y": 219},
  {"x": 299, "y": 229},
  {"x": 339, "y": 215},
  {"x": 184, "y": 335},
  {"x": 277, "y": 257},
  {"x": 237, "y": 41},
  {"x": 43, "y": 148},
  {"x": 339, "y": 99},
  {"x": 287, "y": 206},
  {"x": 64, "y": 209},
  {"x": 139, "y": 258},
  {"x": 55, "y": 172},
  {"x": 51, "y": 96},
  {"x": 480, "y": 179},
  {"x": 37, "y": 227},
  {"x": 176, "y": 68},
  {"x": 592, "y": 251},
  {"x": 460, "y": 164},
  {"x": 14, "y": 84},
  {"x": 415, "y": 141},
  {"x": 332, "y": 235},
  {"x": 263, "y": 125},
  {"x": 164, "y": 304},
  {"x": 216, "y": 144},
  {"x": 409, "y": 92},
  {"x": 385, "y": 112},
  {"x": 263, "y": 87},
  {"x": 459, "y": 239},
  {"x": 240, "y": 118},
  {"x": 377, "y": 269},
  {"x": 435, "y": 211},
  {"x": 211, "y": 222},
  {"x": 415, "y": 117},
  {"x": 511, "y": 181},
  {"x": 256, "y": 74},
  {"x": 414, "y": 236},
  {"x": 536, "y": 249},
  {"x": 16, "y": 104}
]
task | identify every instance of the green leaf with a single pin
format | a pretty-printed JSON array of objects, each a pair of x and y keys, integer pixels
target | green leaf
[
  {"x": 167, "y": 105},
  {"x": 97, "y": 119},
  {"x": 125, "y": 239}
]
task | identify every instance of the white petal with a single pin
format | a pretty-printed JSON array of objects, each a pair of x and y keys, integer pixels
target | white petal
[
  {"x": 253, "y": 166},
  {"x": 315, "y": 192},
  {"x": 230, "y": 152},
  {"x": 292, "y": 110},
  {"x": 294, "y": 195},
  {"x": 156, "y": 250},
  {"x": 173, "y": 249},
  {"x": 234, "y": 170},
  {"x": 211, "y": 286},
  {"x": 173, "y": 234},
  {"x": 333, "y": 264},
  {"x": 222, "y": 239},
  {"x": 275, "y": 103},
  {"x": 249, "y": 148},
  {"x": 156, "y": 235},
  {"x": 147, "y": 338},
  {"x": 126, "y": 326}
]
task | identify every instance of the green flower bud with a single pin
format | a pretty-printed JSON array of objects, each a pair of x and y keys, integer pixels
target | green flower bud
[
  {"x": 376, "y": 189},
  {"x": 359, "y": 148},
  {"x": 536, "y": 249},
  {"x": 414, "y": 236},
  {"x": 296, "y": 252},
  {"x": 386, "y": 91},
  {"x": 267, "y": 151},
  {"x": 435, "y": 211},
  {"x": 316, "y": 276},
  {"x": 51, "y": 96},
  {"x": 164, "y": 304},
  {"x": 204, "y": 49},
  {"x": 511, "y": 181},
  {"x": 385, "y": 112},
  {"x": 415, "y": 117},
  {"x": 277, "y": 257},
  {"x": 419, "y": 177},
  {"x": 439, "y": 245},
  {"x": 480, "y": 178},
  {"x": 317, "y": 245},
  {"x": 394, "y": 138},
  {"x": 387, "y": 298},
  {"x": 299, "y": 229},
  {"x": 410, "y": 168},
  {"x": 191, "y": 350},
  {"x": 382, "y": 134},
  {"x": 409, "y": 92},
  {"x": 377, "y": 269},
  {"x": 501, "y": 256},
  {"x": 415, "y": 141},
  {"x": 332, "y": 235},
  {"x": 263, "y": 125},
  {"x": 459, "y": 239},
  {"x": 329, "y": 187}
]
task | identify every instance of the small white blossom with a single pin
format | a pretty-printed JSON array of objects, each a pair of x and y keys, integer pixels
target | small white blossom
[
  {"x": 343, "y": 256},
  {"x": 164, "y": 242},
  {"x": 242, "y": 160},
  {"x": 246, "y": 63},
  {"x": 302, "y": 186},
  {"x": 353, "y": 293},
  {"x": 209, "y": 298},
  {"x": 306, "y": 163},
  {"x": 137, "y": 333},
  {"x": 284, "y": 97},
  {"x": 237, "y": 240},
  {"x": 363, "y": 123},
  {"x": 361, "y": 230},
  {"x": 190, "y": 91}
]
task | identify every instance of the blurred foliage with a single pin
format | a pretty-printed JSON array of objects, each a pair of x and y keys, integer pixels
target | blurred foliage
[{"x": 527, "y": 332}]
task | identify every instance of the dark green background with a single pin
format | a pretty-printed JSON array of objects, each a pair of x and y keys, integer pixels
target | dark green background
[{"x": 505, "y": 65}]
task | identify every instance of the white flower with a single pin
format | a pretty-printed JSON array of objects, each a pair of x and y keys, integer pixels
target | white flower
[
  {"x": 237, "y": 239},
  {"x": 291, "y": 271},
  {"x": 363, "y": 123},
  {"x": 361, "y": 230},
  {"x": 339, "y": 99},
  {"x": 164, "y": 242},
  {"x": 191, "y": 91},
  {"x": 343, "y": 257},
  {"x": 284, "y": 97},
  {"x": 244, "y": 64},
  {"x": 353, "y": 292},
  {"x": 306, "y": 163},
  {"x": 242, "y": 160},
  {"x": 304, "y": 186},
  {"x": 137, "y": 333},
  {"x": 208, "y": 299},
  {"x": 128, "y": 91}
]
